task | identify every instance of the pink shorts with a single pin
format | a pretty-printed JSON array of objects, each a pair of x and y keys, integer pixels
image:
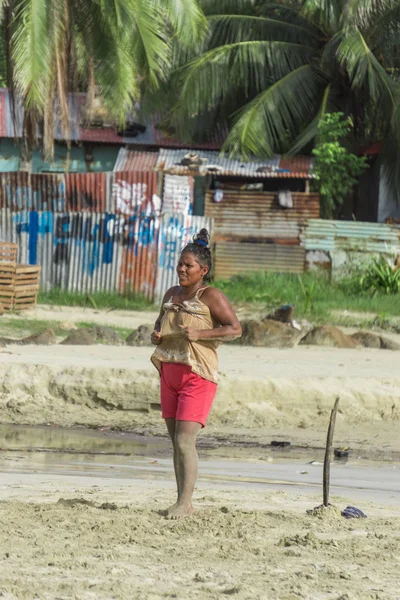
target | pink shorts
[{"x": 185, "y": 396}]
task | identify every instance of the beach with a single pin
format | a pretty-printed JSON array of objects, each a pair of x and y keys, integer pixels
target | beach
[
  {"x": 81, "y": 510},
  {"x": 84, "y": 529}
]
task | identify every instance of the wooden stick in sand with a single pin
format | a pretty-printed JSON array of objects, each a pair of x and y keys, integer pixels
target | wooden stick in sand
[{"x": 327, "y": 462}]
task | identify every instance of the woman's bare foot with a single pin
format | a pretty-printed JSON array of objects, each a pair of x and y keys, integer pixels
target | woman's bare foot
[{"x": 179, "y": 511}]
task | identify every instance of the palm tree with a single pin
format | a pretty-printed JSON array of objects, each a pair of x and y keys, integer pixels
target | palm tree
[
  {"x": 105, "y": 47},
  {"x": 274, "y": 68}
]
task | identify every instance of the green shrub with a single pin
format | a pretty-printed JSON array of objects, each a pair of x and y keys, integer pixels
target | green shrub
[{"x": 380, "y": 277}]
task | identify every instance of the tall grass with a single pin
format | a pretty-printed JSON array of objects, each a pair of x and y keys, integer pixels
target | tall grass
[{"x": 313, "y": 294}]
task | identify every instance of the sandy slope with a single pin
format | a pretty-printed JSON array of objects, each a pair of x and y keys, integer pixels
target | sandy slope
[{"x": 263, "y": 393}]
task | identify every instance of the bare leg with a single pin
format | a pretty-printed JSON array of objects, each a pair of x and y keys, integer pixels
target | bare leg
[
  {"x": 171, "y": 426},
  {"x": 186, "y": 467}
]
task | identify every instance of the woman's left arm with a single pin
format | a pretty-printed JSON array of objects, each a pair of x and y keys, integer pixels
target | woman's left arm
[{"x": 222, "y": 312}]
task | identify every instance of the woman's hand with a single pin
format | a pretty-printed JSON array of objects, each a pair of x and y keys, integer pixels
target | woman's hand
[
  {"x": 190, "y": 333},
  {"x": 156, "y": 338}
]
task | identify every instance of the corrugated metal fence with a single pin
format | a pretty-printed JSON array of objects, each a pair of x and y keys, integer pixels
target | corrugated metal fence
[
  {"x": 339, "y": 244},
  {"x": 252, "y": 232},
  {"x": 95, "y": 232}
]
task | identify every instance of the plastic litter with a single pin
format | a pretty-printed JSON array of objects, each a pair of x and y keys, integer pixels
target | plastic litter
[{"x": 351, "y": 512}]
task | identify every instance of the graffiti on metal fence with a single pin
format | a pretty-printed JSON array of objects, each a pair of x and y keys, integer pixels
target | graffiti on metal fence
[{"x": 96, "y": 231}]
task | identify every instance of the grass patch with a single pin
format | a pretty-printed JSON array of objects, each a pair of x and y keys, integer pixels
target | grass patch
[
  {"x": 19, "y": 328},
  {"x": 314, "y": 295},
  {"x": 97, "y": 300}
]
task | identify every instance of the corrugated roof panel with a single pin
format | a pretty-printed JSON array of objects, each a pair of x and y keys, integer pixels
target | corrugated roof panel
[
  {"x": 152, "y": 136},
  {"x": 296, "y": 164},
  {"x": 135, "y": 160},
  {"x": 184, "y": 162}
]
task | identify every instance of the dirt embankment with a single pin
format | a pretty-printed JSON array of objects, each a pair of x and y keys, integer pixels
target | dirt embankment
[{"x": 263, "y": 391}]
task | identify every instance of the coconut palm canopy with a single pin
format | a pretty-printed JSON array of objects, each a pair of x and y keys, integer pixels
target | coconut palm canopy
[
  {"x": 105, "y": 47},
  {"x": 274, "y": 68}
]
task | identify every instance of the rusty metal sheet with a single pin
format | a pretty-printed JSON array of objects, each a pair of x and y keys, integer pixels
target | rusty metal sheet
[
  {"x": 15, "y": 190},
  {"x": 84, "y": 251},
  {"x": 136, "y": 192},
  {"x": 48, "y": 192},
  {"x": 87, "y": 191},
  {"x": 244, "y": 258},
  {"x": 139, "y": 256},
  {"x": 135, "y": 160},
  {"x": 258, "y": 216},
  {"x": 205, "y": 162}
]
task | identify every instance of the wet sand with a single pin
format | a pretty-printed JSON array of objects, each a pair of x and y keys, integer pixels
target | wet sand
[{"x": 91, "y": 527}]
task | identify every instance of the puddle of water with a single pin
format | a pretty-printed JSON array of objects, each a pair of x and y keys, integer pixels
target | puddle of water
[
  {"x": 82, "y": 441},
  {"x": 105, "y": 442},
  {"x": 79, "y": 441}
]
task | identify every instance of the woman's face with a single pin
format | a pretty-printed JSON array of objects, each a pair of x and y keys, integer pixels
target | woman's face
[{"x": 189, "y": 271}]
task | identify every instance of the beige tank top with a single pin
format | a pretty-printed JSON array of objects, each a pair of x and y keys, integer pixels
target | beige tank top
[{"x": 201, "y": 356}]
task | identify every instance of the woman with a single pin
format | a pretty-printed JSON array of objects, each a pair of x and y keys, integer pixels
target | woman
[{"x": 193, "y": 319}]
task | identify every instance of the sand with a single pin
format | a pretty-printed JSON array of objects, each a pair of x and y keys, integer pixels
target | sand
[
  {"x": 86, "y": 536},
  {"x": 96, "y": 539}
]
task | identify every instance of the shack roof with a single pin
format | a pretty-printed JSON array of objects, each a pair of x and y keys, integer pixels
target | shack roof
[{"x": 184, "y": 162}]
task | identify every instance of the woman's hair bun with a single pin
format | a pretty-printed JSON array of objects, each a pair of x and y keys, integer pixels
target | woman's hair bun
[{"x": 202, "y": 238}]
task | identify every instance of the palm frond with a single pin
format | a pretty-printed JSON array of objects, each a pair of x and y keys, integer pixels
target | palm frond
[
  {"x": 364, "y": 70},
  {"x": 364, "y": 13},
  {"x": 226, "y": 29},
  {"x": 275, "y": 116},
  {"x": 324, "y": 14},
  {"x": 226, "y": 7},
  {"x": 309, "y": 133},
  {"x": 149, "y": 42},
  {"x": 31, "y": 51},
  {"x": 187, "y": 20},
  {"x": 243, "y": 67}
]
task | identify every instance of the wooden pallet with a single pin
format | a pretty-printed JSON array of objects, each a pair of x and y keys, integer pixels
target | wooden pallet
[
  {"x": 8, "y": 252},
  {"x": 7, "y": 299},
  {"x": 19, "y": 286}
]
